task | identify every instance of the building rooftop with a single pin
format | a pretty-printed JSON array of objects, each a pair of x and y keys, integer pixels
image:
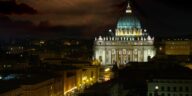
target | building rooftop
[
  {"x": 100, "y": 89},
  {"x": 8, "y": 85},
  {"x": 155, "y": 69},
  {"x": 13, "y": 81},
  {"x": 62, "y": 67}
]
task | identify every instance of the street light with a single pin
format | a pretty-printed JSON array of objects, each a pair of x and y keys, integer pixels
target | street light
[
  {"x": 156, "y": 87},
  {"x": 156, "y": 90}
]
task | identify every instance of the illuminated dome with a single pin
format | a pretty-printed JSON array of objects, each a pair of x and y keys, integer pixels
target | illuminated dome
[
  {"x": 129, "y": 25},
  {"x": 128, "y": 22}
]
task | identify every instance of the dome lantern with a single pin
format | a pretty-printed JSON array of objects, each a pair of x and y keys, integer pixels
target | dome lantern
[{"x": 128, "y": 10}]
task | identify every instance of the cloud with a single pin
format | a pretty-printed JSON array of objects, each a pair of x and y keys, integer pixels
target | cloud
[
  {"x": 25, "y": 29},
  {"x": 70, "y": 17},
  {"x": 62, "y": 18},
  {"x": 11, "y": 7},
  {"x": 72, "y": 12},
  {"x": 57, "y": 18},
  {"x": 14, "y": 29}
]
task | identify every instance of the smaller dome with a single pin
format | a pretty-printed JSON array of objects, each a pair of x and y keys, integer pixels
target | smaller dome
[{"x": 128, "y": 22}]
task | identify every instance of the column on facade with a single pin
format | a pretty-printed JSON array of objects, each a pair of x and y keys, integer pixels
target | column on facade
[
  {"x": 142, "y": 52},
  {"x": 135, "y": 55},
  {"x": 117, "y": 56},
  {"x": 145, "y": 54},
  {"x": 140, "y": 55},
  {"x": 124, "y": 56},
  {"x": 101, "y": 56},
  {"x": 121, "y": 52},
  {"x": 108, "y": 56},
  {"x": 150, "y": 52},
  {"x": 113, "y": 56},
  {"x": 130, "y": 55},
  {"x": 120, "y": 56}
]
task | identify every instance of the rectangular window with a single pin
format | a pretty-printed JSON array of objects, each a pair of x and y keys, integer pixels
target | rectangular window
[
  {"x": 187, "y": 89},
  {"x": 180, "y": 88},
  {"x": 162, "y": 88},
  {"x": 150, "y": 94},
  {"x": 168, "y": 88},
  {"x": 174, "y": 89}
]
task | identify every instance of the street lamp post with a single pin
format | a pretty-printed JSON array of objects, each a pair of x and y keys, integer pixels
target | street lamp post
[{"x": 156, "y": 91}]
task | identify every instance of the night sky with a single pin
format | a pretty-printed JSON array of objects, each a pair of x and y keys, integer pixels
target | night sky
[{"x": 89, "y": 18}]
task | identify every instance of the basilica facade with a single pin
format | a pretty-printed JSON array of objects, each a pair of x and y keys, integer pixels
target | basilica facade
[{"x": 130, "y": 43}]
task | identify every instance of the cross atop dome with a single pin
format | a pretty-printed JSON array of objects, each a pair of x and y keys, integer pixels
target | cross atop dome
[{"x": 128, "y": 10}]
